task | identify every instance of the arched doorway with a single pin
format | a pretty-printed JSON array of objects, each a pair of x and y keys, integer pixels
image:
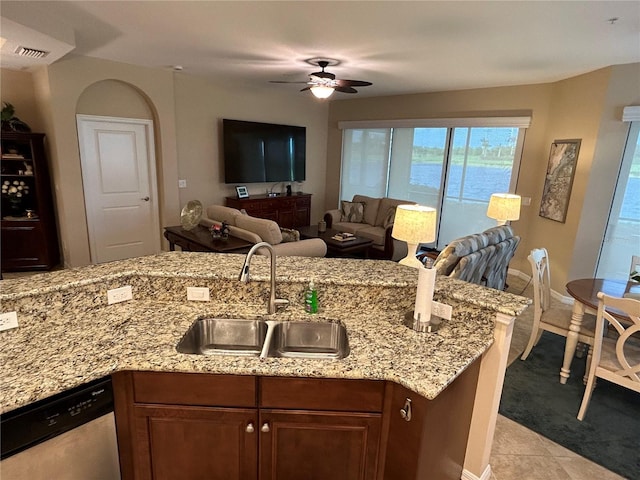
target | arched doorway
[{"x": 118, "y": 172}]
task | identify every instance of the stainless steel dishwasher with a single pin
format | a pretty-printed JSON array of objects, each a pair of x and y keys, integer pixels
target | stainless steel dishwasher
[{"x": 69, "y": 436}]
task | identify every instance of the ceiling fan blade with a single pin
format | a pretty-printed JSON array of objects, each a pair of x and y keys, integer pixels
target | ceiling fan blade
[
  {"x": 345, "y": 89},
  {"x": 353, "y": 83},
  {"x": 305, "y": 89}
]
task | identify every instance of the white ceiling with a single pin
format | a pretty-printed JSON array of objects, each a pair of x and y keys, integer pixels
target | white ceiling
[{"x": 402, "y": 47}]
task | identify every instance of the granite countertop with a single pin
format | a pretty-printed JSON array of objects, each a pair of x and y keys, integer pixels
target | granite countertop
[{"x": 68, "y": 335}]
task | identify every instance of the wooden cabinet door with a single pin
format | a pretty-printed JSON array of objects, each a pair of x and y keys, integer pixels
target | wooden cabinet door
[
  {"x": 303, "y": 216},
  {"x": 432, "y": 442},
  {"x": 312, "y": 445},
  {"x": 287, "y": 218},
  {"x": 184, "y": 442}
]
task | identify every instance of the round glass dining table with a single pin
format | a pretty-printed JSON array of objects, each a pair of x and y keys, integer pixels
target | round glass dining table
[{"x": 585, "y": 292}]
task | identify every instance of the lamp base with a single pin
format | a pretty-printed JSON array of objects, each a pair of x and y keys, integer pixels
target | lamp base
[
  {"x": 431, "y": 326},
  {"x": 411, "y": 260}
]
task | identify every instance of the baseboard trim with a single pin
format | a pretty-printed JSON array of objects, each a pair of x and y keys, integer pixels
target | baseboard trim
[
  {"x": 567, "y": 300},
  {"x": 467, "y": 475}
]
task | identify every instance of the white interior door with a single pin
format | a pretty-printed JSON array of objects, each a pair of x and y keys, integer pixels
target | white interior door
[{"x": 119, "y": 182}]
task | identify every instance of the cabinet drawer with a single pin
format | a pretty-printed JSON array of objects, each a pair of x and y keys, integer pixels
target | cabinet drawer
[
  {"x": 322, "y": 394},
  {"x": 194, "y": 389}
]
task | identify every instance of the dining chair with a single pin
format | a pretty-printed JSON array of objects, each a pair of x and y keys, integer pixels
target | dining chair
[
  {"x": 634, "y": 271},
  {"x": 548, "y": 318},
  {"x": 616, "y": 360}
]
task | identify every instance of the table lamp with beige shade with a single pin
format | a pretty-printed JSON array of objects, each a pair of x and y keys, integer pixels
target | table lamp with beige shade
[
  {"x": 414, "y": 224},
  {"x": 504, "y": 207}
]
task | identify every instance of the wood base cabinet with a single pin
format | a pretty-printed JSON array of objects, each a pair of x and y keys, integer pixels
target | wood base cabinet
[
  {"x": 180, "y": 426},
  {"x": 288, "y": 211},
  {"x": 431, "y": 442},
  {"x": 226, "y": 427}
]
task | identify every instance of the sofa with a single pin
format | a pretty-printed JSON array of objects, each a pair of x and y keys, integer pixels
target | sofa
[
  {"x": 371, "y": 218},
  {"x": 481, "y": 258},
  {"x": 285, "y": 242}
]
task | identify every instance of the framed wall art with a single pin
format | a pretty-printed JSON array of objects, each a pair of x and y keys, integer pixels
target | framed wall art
[
  {"x": 242, "y": 192},
  {"x": 559, "y": 179}
]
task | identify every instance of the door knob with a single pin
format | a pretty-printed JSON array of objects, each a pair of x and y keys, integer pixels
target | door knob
[
  {"x": 146, "y": 199},
  {"x": 249, "y": 428},
  {"x": 265, "y": 428}
]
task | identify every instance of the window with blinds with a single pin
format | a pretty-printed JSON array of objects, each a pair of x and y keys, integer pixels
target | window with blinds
[{"x": 452, "y": 165}]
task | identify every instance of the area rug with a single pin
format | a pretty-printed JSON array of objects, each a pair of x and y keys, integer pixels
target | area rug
[{"x": 533, "y": 396}]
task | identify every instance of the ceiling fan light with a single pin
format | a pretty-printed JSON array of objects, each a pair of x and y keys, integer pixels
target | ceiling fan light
[{"x": 322, "y": 91}]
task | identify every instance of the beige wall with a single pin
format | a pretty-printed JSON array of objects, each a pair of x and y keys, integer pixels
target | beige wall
[
  {"x": 59, "y": 89},
  {"x": 17, "y": 87},
  {"x": 623, "y": 90},
  {"x": 572, "y": 108},
  {"x": 200, "y": 107},
  {"x": 186, "y": 111},
  {"x": 570, "y": 117}
]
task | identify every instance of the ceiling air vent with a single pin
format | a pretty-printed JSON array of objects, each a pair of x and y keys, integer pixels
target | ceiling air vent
[{"x": 31, "y": 52}]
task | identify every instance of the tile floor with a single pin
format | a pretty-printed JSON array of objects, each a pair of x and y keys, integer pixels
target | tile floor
[
  {"x": 522, "y": 454},
  {"x": 519, "y": 453}
]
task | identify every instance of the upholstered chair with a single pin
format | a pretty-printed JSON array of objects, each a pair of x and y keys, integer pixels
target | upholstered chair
[{"x": 616, "y": 359}]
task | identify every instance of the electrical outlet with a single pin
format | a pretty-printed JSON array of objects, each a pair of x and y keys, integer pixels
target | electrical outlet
[
  {"x": 526, "y": 201},
  {"x": 118, "y": 295},
  {"x": 198, "y": 294},
  {"x": 441, "y": 310},
  {"x": 182, "y": 183},
  {"x": 8, "y": 320}
]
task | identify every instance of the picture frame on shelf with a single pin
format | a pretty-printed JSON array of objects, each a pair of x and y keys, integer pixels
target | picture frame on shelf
[
  {"x": 242, "y": 192},
  {"x": 559, "y": 179}
]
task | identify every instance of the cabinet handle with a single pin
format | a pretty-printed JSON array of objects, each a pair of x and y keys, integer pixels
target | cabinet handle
[
  {"x": 249, "y": 428},
  {"x": 405, "y": 412},
  {"x": 146, "y": 199},
  {"x": 265, "y": 428}
]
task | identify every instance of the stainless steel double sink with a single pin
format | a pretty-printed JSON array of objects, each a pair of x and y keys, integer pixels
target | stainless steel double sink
[{"x": 265, "y": 338}]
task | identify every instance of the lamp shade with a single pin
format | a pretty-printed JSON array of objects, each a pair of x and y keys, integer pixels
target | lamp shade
[
  {"x": 322, "y": 91},
  {"x": 504, "y": 207},
  {"x": 414, "y": 224}
]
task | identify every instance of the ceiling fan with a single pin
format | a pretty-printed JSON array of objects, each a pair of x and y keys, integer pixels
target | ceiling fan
[{"x": 322, "y": 84}]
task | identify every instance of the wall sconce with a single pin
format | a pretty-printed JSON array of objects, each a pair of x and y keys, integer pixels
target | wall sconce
[{"x": 504, "y": 207}]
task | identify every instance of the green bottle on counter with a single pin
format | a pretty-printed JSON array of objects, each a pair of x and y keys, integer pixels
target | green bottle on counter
[{"x": 311, "y": 298}]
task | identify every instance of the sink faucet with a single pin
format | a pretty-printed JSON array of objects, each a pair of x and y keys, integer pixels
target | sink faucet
[{"x": 244, "y": 275}]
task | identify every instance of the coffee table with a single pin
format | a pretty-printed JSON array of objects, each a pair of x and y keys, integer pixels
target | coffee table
[
  {"x": 199, "y": 240},
  {"x": 335, "y": 248}
]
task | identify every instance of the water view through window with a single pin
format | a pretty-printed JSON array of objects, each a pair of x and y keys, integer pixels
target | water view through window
[{"x": 454, "y": 170}]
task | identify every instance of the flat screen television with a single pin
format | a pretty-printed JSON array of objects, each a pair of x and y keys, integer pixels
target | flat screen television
[{"x": 263, "y": 152}]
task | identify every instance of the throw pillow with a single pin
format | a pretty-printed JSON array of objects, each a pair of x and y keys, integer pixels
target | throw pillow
[
  {"x": 389, "y": 218},
  {"x": 352, "y": 212},
  {"x": 289, "y": 235}
]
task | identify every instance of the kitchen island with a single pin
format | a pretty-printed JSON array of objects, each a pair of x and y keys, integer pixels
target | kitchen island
[{"x": 69, "y": 335}]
